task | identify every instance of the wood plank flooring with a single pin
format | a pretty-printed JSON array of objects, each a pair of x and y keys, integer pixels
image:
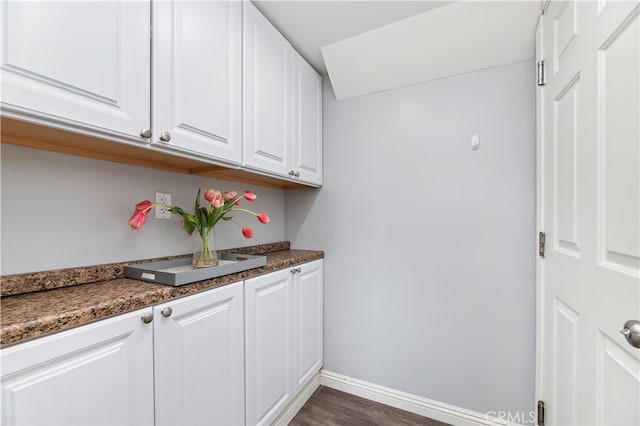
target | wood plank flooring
[{"x": 329, "y": 407}]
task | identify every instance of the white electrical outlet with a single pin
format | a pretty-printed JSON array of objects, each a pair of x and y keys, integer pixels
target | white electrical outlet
[{"x": 163, "y": 212}]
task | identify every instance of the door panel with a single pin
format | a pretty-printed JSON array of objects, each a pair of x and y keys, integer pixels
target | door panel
[
  {"x": 267, "y": 108},
  {"x": 199, "y": 359},
  {"x": 198, "y": 77},
  {"x": 619, "y": 178},
  {"x": 87, "y": 62},
  {"x": 308, "y": 325},
  {"x": 96, "y": 374},
  {"x": 268, "y": 348},
  {"x": 565, "y": 110},
  {"x": 307, "y": 153},
  {"x": 589, "y": 281}
]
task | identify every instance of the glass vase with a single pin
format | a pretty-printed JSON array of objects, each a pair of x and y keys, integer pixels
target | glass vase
[{"x": 204, "y": 248}]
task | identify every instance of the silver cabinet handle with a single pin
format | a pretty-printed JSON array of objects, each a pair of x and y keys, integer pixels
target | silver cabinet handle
[
  {"x": 297, "y": 174},
  {"x": 166, "y": 312},
  {"x": 165, "y": 136},
  {"x": 296, "y": 270},
  {"x": 146, "y": 133},
  {"x": 147, "y": 318},
  {"x": 292, "y": 173},
  {"x": 631, "y": 332}
]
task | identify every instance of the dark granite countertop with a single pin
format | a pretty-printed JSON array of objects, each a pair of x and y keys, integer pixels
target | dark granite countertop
[{"x": 38, "y": 313}]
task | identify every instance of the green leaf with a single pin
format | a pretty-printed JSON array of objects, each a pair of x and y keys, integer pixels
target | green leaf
[
  {"x": 203, "y": 216},
  {"x": 226, "y": 217},
  {"x": 197, "y": 207},
  {"x": 189, "y": 225}
]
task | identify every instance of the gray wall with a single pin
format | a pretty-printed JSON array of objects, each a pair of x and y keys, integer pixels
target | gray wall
[
  {"x": 430, "y": 261},
  {"x": 62, "y": 211}
]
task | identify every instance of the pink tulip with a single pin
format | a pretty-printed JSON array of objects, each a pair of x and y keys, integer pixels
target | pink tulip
[
  {"x": 263, "y": 218},
  {"x": 250, "y": 196},
  {"x": 137, "y": 220},
  {"x": 247, "y": 232},
  {"x": 209, "y": 194},
  {"x": 143, "y": 205},
  {"x": 229, "y": 195}
]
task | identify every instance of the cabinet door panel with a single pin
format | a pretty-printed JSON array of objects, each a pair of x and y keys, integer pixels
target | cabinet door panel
[
  {"x": 85, "y": 62},
  {"x": 96, "y": 374},
  {"x": 267, "y": 94},
  {"x": 307, "y": 143},
  {"x": 308, "y": 323},
  {"x": 198, "y": 77},
  {"x": 199, "y": 359},
  {"x": 268, "y": 303}
]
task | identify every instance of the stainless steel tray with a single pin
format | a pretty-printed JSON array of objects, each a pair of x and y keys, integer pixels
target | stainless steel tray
[{"x": 178, "y": 272}]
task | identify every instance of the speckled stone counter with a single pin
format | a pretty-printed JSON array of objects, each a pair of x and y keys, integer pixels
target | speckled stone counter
[{"x": 38, "y": 313}]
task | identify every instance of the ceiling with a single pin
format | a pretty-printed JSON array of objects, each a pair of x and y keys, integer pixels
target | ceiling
[
  {"x": 369, "y": 46},
  {"x": 310, "y": 25}
]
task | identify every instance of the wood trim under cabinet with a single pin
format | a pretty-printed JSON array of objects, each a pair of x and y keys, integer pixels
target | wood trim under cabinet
[{"x": 23, "y": 133}]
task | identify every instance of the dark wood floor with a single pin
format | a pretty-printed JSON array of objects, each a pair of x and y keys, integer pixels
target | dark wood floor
[{"x": 329, "y": 407}]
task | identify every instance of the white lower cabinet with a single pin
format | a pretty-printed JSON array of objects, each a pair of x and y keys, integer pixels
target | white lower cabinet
[
  {"x": 199, "y": 358},
  {"x": 283, "y": 338},
  {"x": 101, "y": 373},
  {"x": 228, "y": 356},
  {"x": 307, "y": 323},
  {"x": 268, "y": 346}
]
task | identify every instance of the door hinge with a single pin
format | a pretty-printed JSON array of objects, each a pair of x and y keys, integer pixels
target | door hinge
[
  {"x": 541, "y": 243},
  {"x": 540, "y": 413},
  {"x": 541, "y": 75}
]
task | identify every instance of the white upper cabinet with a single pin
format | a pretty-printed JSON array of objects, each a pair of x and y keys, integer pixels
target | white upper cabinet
[
  {"x": 199, "y": 358},
  {"x": 197, "y": 77},
  {"x": 307, "y": 107},
  {"x": 101, "y": 373},
  {"x": 267, "y": 101},
  {"x": 282, "y": 105},
  {"x": 84, "y": 63}
]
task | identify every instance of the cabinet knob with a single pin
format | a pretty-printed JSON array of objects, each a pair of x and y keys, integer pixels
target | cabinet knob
[
  {"x": 292, "y": 173},
  {"x": 147, "y": 318},
  {"x": 296, "y": 270},
  {"x": 165, "y": 136},
  {"x": 146, "y": 133},
  {"x": 297, "y": 174},
  {"x": 166, "y": 312}
]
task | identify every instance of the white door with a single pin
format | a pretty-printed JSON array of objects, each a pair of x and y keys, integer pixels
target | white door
[
  {"x": 197, "y": 79},
  {"x": 199, "y": 359},
  {"x": 590, "y": 207},
  {"x": 100, "y": 373},
  {"x": 307, "y": 323},
  {"x": 81, "y": 62},
  {"x": 267, "y": 96},
  {"x": 307, "y": 107},
  {"x": 268, "y": 346}
]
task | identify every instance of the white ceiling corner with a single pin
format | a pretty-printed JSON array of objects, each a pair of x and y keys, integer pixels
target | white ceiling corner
[
  {"x": 311, "y": 24},
  {"x": 370, "y": 46}
]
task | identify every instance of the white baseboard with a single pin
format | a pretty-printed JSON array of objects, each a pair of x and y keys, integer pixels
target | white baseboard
[
  {"x": 296, "y": 405},
  {"x": 408, "y": 402}
]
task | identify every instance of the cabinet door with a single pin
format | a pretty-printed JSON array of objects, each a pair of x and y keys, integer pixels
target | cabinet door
[
  {"x": 197, "y": 77},
  {"x": 100, "y": 373},
  {"x": 267, "y": 108},
  {"x": 82, "y": 63},
  {"x": 268, "y": 346},
  {"x": 307, "y": 140},
  {"x": 307, "y": 323},
  {"x": 199, "y": 359}
]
